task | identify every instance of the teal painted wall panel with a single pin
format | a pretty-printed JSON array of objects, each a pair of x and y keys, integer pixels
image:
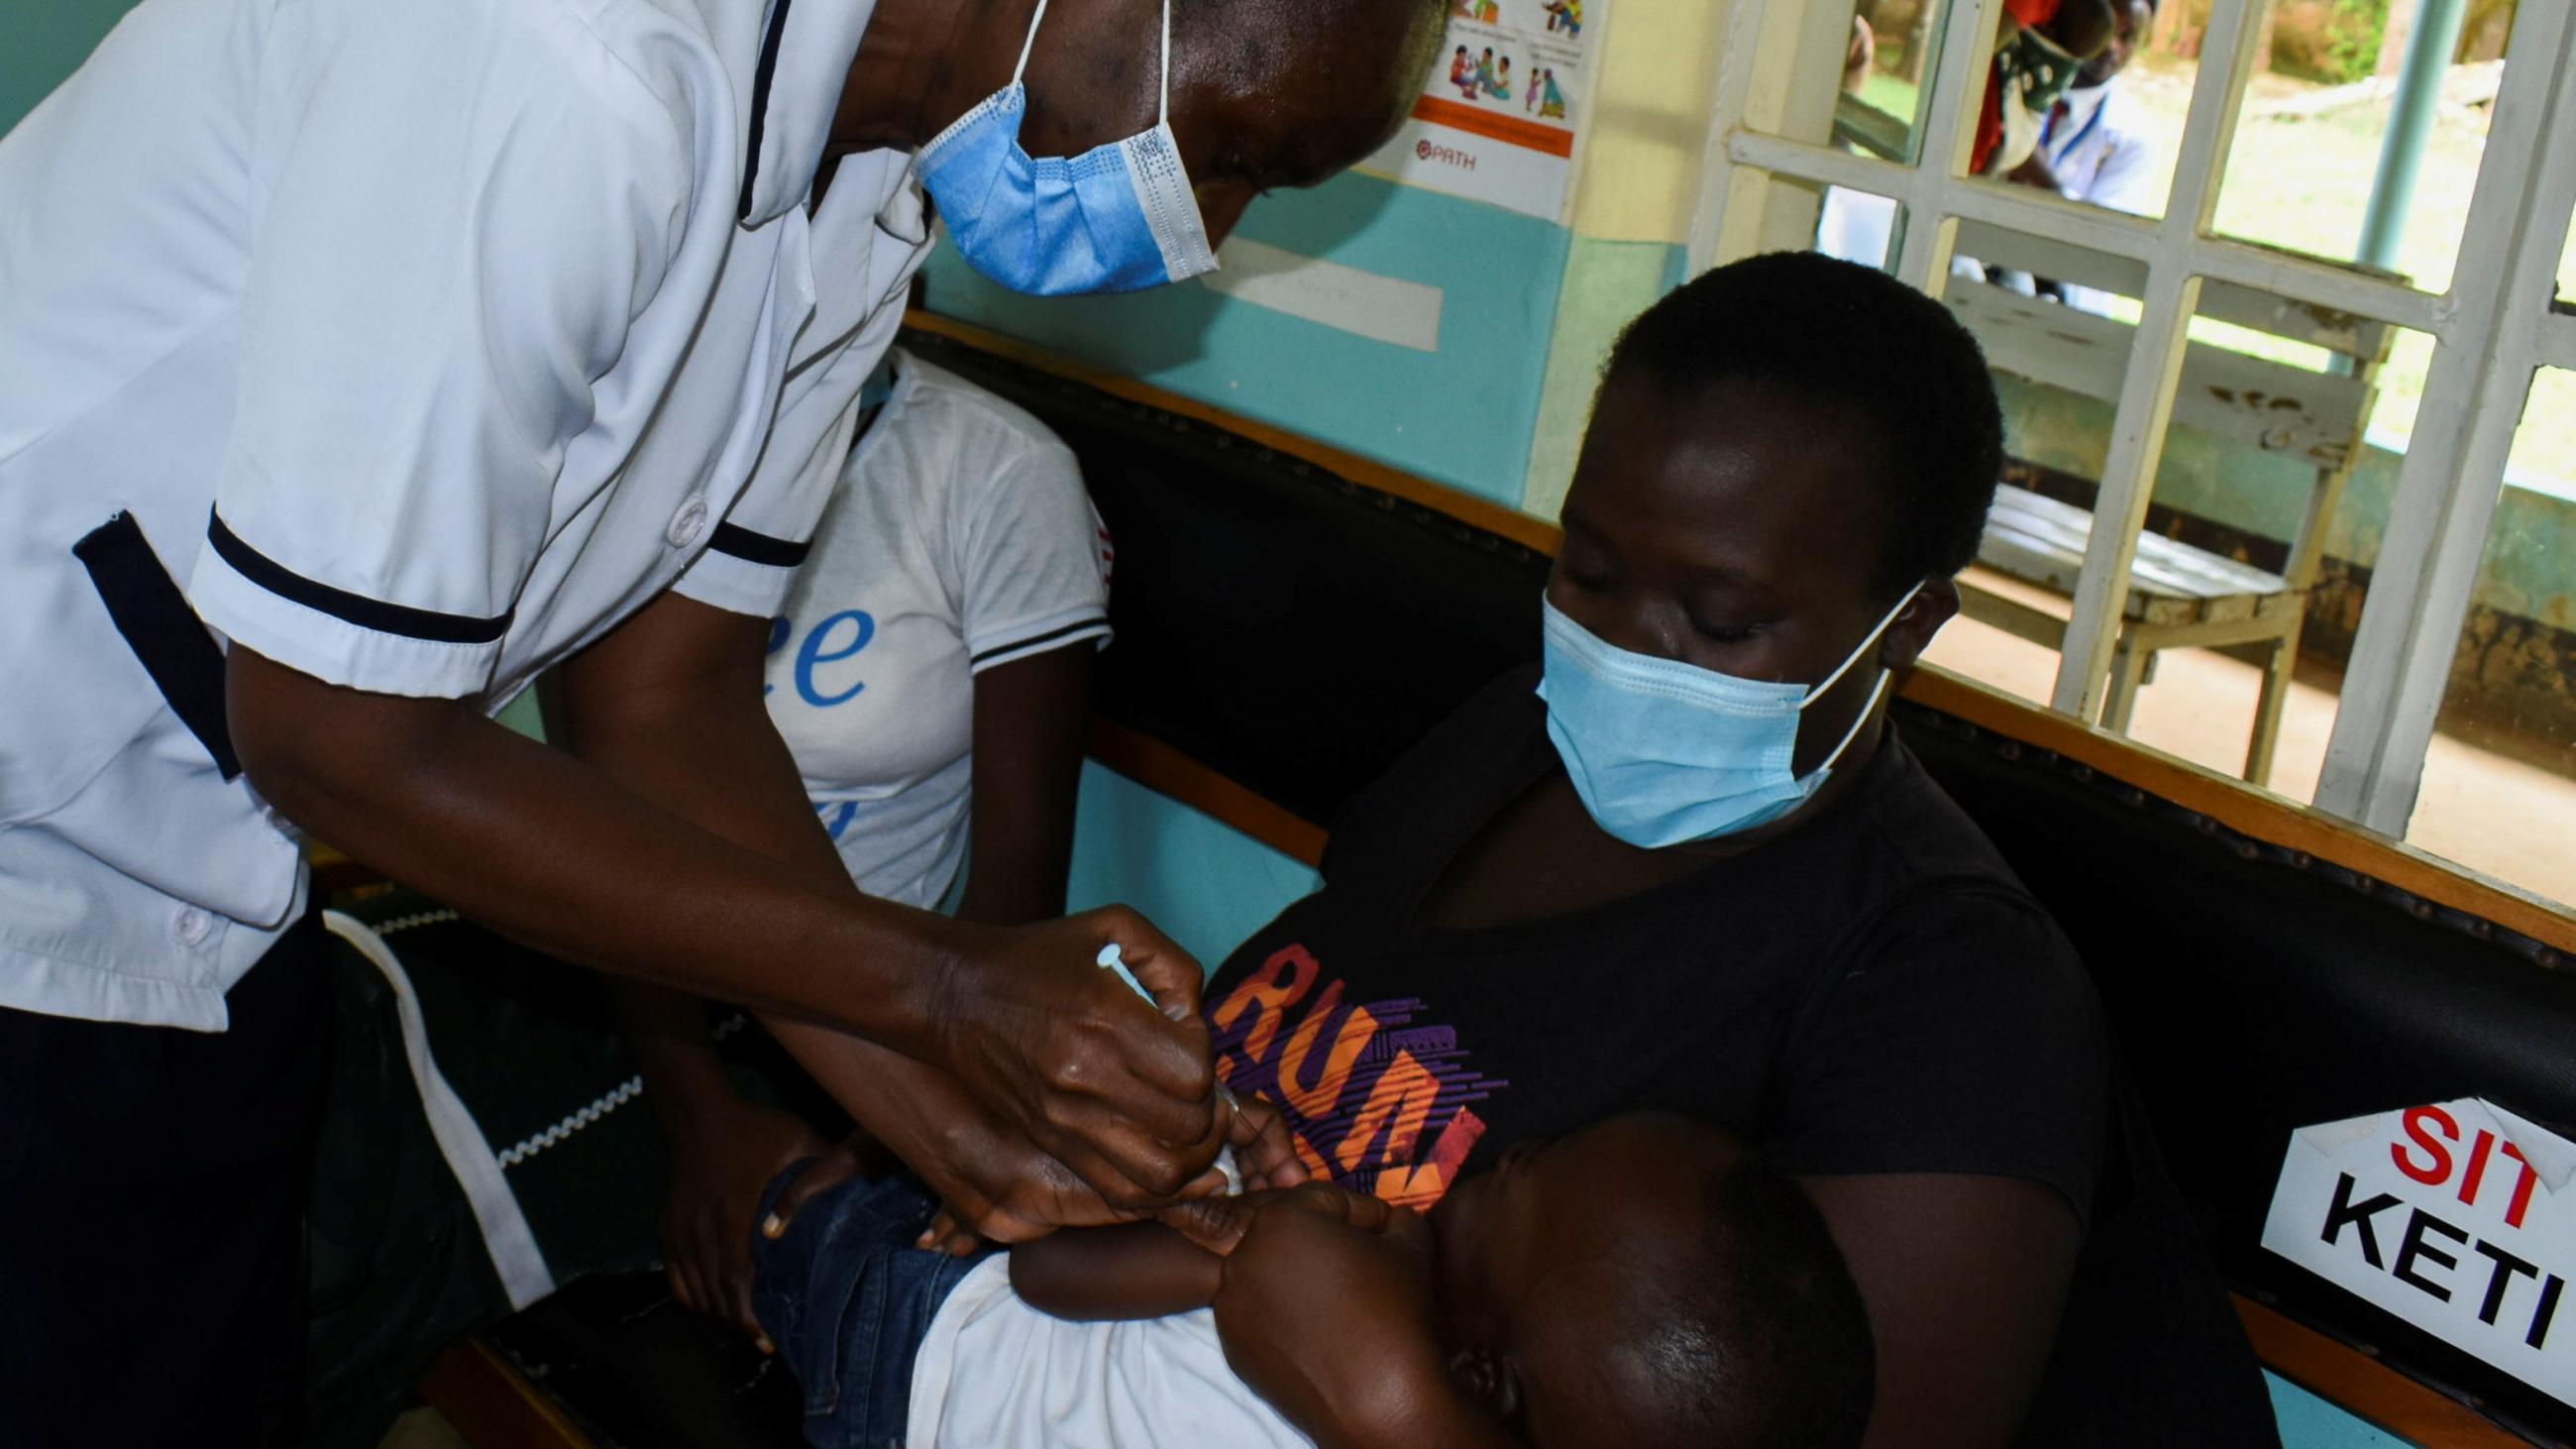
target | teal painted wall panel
[
  {"x": 1205, "y": 883},
  {"x": 1463, "y": 415},
  {"x": 2308, "y": 1422},
  {"x": 41, "y": 41}
]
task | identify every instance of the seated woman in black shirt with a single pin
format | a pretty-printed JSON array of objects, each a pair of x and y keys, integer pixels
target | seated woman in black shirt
[{"x": 1690, "y": 867}]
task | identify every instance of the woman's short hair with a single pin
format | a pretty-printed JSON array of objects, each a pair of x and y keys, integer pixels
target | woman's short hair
[{"x": 1855, "y": 342}]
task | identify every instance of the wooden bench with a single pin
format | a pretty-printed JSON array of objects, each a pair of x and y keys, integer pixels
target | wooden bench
[{"x": 2179, "y": 596}]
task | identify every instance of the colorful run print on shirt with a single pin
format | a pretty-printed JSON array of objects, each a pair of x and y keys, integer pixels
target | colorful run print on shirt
[{"x": 1376, "y": 1099}]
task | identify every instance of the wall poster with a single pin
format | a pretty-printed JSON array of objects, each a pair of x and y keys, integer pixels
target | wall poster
[{"x": 1496, "y": 119}]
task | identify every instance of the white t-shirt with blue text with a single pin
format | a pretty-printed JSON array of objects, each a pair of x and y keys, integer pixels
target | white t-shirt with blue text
[{"x": 959, "y": 538}]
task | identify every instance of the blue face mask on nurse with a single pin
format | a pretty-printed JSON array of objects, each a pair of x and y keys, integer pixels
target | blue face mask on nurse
[
  {"x": 1747, "y": 571},
  {"x": 1090, "y": 173}
]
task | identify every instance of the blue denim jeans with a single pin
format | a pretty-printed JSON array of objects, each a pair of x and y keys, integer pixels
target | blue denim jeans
[{"x": 847, "y": 1299}]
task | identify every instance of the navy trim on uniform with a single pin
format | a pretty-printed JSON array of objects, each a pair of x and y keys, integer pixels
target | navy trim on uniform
[
  {"x": 760, "y": 80},
  {"x": 357, "y": 609},
  {"x": 146, "y": 606},
  {"x": 759, "y": 548},
  {"x": 1095, "y": 624}
]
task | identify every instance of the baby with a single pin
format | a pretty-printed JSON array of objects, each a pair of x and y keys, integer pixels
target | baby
[{"x": 1643, "y": 1282}]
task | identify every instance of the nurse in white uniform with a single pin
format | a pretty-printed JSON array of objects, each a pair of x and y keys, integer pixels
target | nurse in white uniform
[
  {"x": 361, "y": 358},
  {"x": 931, "y": 674}
]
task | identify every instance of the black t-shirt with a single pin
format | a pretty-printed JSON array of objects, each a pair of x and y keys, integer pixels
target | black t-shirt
[{"x": 1872, "y": 992}]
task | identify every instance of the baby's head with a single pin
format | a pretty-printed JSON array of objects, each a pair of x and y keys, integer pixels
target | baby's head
[{"x": 1646, "y": 1282}]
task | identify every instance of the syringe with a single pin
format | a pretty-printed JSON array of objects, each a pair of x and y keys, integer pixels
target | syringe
[{"x": 1112, "y": 958}]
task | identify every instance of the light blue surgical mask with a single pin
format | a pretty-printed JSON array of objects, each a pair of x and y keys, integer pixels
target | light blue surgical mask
[
  {"x": 1664, "y": 752},
  {"x": 1117, "y": 218}
]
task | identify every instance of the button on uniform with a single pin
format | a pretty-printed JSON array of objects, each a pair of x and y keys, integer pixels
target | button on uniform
[
  {"x": 688, "y": 523},
  {"x": 190, "y": 925}
]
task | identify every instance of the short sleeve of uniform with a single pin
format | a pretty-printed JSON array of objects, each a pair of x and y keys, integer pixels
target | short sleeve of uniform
[
  {"x": 868, "y": 236},
  {"x": 1030, "y": 556},
  {"x": 1959, "y": 1034},
  {"x": 749, "y": 566},
  {"x": 462, "y": 215}
]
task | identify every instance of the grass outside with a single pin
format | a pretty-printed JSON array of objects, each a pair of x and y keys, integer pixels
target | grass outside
[{"x": 2301, "y": 180}]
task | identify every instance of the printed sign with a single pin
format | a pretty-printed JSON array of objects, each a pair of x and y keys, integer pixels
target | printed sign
[
  {"x": 2456, "y": 1218},
  {"x": 1496, "y": 119}
]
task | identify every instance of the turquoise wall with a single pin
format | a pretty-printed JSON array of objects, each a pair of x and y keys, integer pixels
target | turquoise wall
[
  {"x": 1463, "y": 415},
  {"x": 2308, "y": 1422},
  {"x": 41, "y": 41},
  {"x": 1205, "y": 883}
]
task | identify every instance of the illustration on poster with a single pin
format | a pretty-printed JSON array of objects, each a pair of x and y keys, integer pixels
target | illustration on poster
[
  {"x": 1499, "y": 125},
  {"x": 1542, "y": 88}
]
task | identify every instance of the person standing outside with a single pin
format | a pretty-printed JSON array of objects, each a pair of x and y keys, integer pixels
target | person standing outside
[
  {"x": 2096, "y": 145},
  {"x": 360, "y": 359}
]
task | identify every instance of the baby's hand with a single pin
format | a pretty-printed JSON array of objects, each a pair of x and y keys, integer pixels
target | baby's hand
[
  {"x": 1263, "y": 1149},
  {"x": 1219, "y": 1223}
]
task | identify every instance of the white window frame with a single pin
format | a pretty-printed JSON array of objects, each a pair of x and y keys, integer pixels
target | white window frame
[{"x": 1777, "y": 76}]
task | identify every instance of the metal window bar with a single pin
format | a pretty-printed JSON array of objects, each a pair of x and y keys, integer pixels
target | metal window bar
[
  {"x": 2502, "y": 325},
  {"x": 2494, "y": 326}
]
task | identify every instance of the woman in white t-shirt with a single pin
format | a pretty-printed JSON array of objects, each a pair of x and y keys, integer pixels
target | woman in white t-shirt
[{"x": 931, "y": 676}]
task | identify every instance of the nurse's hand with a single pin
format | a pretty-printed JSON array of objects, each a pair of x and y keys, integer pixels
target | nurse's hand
[
  {"x": 1064, "y": 1055},
  {"x": 1263, "y": 1152}
]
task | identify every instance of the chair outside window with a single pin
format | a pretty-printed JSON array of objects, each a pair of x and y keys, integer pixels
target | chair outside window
[{"x": 2180, "y": 596}]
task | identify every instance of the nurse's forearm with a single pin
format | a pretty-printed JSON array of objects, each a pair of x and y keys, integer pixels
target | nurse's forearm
[
  {"x": 682, "y": 851},
  {"x": 556, "y": 852}
]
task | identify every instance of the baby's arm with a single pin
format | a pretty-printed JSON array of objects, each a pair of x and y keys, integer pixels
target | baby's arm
[{"x": 1132, "y": 1270}]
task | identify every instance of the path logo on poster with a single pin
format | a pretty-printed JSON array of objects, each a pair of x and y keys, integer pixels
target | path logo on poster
[
  {"x": 1427, "y": 150},
  {"x": 2455, "y": 1217}
]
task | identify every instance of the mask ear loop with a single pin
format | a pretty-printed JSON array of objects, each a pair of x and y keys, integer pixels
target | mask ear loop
[
  {"x": 1162, "y": 117},
  {"x": 1877, "y": 692},
  {"x": 1854, "y": 657},
  {"x": 1031, "y": 43}
]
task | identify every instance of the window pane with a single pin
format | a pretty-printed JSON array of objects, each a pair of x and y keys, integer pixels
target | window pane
[
  {"x": 2262, "y": 423},
  {"x": 2314, "y": 144},
  {"x": 1902, "y": 35},
  {"x": 1860, "y": 226},
  {"x": 1858, "y": 74},
  {"x": 2500, "y": 781},
  {"x": 2567, "y": 265}
]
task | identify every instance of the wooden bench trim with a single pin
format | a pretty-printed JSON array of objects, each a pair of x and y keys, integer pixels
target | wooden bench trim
[
  {"x": 1166, "y": 771},
  {"x": 2245, "y": 809},
  {"x": 2231, "y": 802},
  {"x": 2355, "y": 1382},
  {"x": 491, "y": 1405}
]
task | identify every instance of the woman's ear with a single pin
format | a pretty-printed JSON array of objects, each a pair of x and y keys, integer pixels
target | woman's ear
[
  {"x": 1487, "y": 1376},
  {"x": 1934, "y": 605}
]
